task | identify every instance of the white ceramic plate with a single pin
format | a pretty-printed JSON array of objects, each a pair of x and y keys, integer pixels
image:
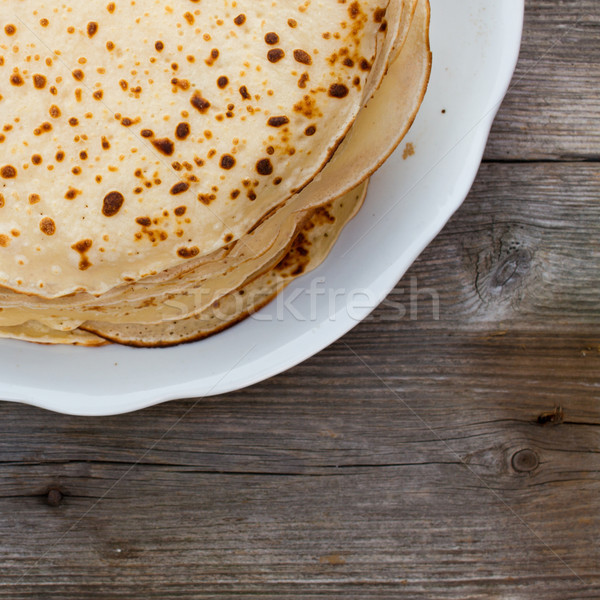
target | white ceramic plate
[{"x": 475, "y": 45}]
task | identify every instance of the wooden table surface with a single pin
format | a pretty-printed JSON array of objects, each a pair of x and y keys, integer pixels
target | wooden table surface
[{"x": 419, "y": 457}]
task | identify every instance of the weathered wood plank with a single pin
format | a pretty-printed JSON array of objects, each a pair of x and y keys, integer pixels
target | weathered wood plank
[
  {"x": 522, "y": 252},
  {"x": 266, "y": 430},
  {"x": 553, "y": 108}
]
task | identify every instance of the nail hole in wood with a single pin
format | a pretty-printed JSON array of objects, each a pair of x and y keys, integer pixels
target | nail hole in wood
[
  {"x": 554, "y": 417},
  {"x": 54, "y": 497}
]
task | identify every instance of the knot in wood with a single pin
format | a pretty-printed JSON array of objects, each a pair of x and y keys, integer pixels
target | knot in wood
[
  {"x": 511, "y": 270},
  {"x": 525, "y": 461}
]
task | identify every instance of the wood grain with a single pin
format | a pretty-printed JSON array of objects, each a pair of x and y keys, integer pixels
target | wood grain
[
  {"x": 553, "y": 109},
  {"x": 448, "y": 447}
]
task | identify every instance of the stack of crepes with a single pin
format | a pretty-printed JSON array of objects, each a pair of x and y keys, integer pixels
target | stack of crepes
[{"x": 166, "y": 168}]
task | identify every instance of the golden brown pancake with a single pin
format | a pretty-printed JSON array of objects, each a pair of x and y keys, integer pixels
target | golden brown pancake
[{"x": 148, "y": 156}]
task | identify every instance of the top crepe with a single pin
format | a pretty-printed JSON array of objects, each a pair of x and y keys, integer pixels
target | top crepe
[
  {"x": 176, "y": 236},
  {"x": 139, "y": 136}
]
